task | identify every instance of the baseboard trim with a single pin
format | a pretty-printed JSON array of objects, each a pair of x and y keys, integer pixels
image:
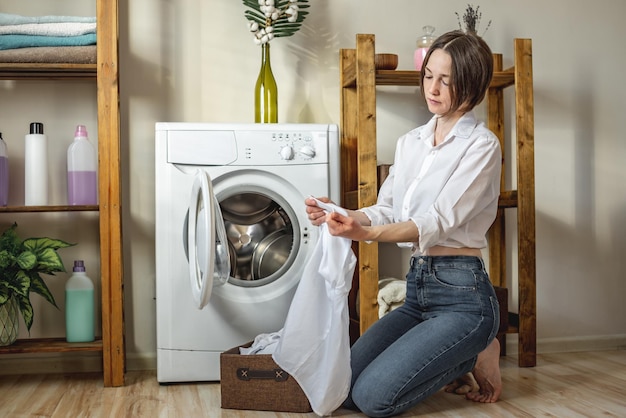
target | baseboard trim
[
  {"x": 50, "y": 363},
  {"x": 92, "y": 362},
  {"x": 571, "y": 344},
  {"x": 145, "y": 361}
]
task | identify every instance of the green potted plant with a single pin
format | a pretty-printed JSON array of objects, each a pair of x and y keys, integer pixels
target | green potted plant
[{"x": 21, "y": 266}]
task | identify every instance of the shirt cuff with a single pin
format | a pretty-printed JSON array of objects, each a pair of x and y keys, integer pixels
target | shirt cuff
[{"x": 428, "y": 231}]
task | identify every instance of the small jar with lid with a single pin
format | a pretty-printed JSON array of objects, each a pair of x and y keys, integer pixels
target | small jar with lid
[{"x": 423, "y": 43}]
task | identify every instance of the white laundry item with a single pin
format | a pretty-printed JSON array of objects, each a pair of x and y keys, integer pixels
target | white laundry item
[
  {"x": 391, "y": 295},
  {"x": 315, "y": 343},
  {"x": 262, "y": 344},
  {"x": 49, "y": 29}
]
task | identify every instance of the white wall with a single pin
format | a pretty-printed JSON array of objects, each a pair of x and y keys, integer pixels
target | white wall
[{"x": 193, "y": 60}]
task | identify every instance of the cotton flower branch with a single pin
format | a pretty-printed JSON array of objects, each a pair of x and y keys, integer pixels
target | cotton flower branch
[{"x": 269, "y": 19}]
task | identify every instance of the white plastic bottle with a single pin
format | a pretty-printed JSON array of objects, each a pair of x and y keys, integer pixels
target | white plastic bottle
[
  {"x": 79, "y": 306},
  {"x": 4, "y": 173},
  {"x": 82, "y": 180},
  {"x": 36, "y": 167}
]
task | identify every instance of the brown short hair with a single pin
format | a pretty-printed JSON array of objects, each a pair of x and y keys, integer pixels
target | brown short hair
[{"x": 472, "y": 68}]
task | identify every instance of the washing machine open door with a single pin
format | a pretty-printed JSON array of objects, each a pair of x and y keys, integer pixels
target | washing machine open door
[{"x": 209, "y": 260}]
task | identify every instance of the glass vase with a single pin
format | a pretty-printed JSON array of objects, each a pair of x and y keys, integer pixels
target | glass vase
[
  {"x": 423, "y": 43},
  {"x": 9, "y": 322},
  {"x": 266, "y": 91}
]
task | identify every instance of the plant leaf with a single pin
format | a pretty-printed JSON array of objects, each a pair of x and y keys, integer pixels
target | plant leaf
[
  {"x": 9, "y": 238},
  {"x": 19, "y": 283},
  {"x": 6, "y": 260},
  {"x": 38, "y": 286},
  {"x": 257, "y": 17},
  {"x": 39, "y": 244},
  {"x": 26, "y": 260},
  {"x": 49, "y": 261},
  {"x": 26, "y": 309}
]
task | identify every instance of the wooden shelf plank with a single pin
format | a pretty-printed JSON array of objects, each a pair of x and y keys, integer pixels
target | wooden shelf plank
[
  {"x": 30, "y": 71},
  {"x": 501, "y": 79},
  {"x": 49, "y": 345},
  {"x": 59, "y": 208},
  {"x": 397, "y": 78},
  {"x": 508, "y": 199}
]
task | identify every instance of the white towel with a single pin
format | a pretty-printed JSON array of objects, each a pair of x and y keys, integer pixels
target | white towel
[
  {"x": 391, "y": 294},
  {"x": 49, "y": 29},
  {"x": 13, "y": 19}
]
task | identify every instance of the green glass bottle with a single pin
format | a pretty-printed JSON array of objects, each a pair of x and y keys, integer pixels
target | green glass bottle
[{"x": 266, "y": 91}]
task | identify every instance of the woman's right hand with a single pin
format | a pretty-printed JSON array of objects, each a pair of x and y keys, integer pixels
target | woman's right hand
[{"x": 316, "y": 215}]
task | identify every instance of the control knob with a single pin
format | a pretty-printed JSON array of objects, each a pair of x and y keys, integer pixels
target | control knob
[
  {"x": 307, "y": 151},
  {"x": 286, "y": 152}
]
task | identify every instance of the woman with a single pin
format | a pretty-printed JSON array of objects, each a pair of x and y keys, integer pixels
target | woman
[{"x": 440, "y": 198}]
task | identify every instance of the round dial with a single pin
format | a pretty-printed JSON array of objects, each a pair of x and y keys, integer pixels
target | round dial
[
  {"x": 286, "y": 152},
  {"x": 307, "y": 151}
]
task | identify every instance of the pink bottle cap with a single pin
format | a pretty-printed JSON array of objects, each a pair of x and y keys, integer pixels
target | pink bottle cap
[{"x": 81, "y": 131}]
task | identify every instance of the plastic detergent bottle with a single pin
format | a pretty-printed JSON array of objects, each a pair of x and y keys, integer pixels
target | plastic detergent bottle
[
  {"x": 36, "y": 166},
  {"x": 4, "y": 173},
  {"x": 82, "y": 186},
  {"x": 79, "y": 306}
]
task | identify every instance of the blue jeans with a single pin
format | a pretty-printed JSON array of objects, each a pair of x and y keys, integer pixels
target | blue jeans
[{"x": 450, "y": 315}]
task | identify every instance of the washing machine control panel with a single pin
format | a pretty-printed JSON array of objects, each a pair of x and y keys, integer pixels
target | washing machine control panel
[
  {"x": 249, "y": 144},
  {"x": 283, "y": 147}
]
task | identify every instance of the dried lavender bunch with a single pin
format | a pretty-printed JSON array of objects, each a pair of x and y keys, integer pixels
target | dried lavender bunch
[{"x": 471, "y": 19}]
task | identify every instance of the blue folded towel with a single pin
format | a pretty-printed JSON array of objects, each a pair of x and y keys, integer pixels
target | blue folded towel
[
  {"x": 12, "y": 19},
  {"x": 27, "y": 41}
]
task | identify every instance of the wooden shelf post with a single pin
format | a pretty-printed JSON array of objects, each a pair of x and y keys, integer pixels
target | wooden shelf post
[{"x": 110, "y": 194}]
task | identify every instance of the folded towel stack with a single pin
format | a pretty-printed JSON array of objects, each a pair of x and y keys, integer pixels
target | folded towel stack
[{"x": 46, "y": 31}]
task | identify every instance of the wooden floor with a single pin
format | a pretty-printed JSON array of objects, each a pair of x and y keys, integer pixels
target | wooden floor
[{"x": 591, "y": 384}]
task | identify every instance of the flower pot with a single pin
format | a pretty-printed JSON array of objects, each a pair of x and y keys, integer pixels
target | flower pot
[{"x": 9, "y": 322}]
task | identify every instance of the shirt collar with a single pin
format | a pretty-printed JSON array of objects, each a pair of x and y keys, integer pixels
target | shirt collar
[{"x": 462, "y": 129}]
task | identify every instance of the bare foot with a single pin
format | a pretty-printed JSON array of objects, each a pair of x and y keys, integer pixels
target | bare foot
[
  {"x": 463, "y": 385},
  {"x": 487, "y": 374}
]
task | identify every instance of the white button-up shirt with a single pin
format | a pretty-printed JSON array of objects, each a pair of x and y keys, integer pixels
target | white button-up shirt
[{"x": 450, "y": 191}]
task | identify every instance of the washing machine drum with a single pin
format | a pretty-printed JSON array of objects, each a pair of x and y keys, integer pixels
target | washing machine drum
[{"x": 260, "y": 238}]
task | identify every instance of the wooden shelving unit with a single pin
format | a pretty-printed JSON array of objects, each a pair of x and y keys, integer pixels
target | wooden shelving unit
[
  {"x": 105, "y": 74},
  {"x": 358, "y": 80}
]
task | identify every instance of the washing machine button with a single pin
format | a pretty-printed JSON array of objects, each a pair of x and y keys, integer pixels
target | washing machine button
[{"x": 286, "y": 152}]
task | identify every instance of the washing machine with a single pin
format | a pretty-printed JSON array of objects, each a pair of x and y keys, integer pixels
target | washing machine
[{"x": 232, "y": 235}]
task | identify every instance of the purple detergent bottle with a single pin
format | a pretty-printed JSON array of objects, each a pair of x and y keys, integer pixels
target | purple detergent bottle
[{"x": 82, "y": 180}]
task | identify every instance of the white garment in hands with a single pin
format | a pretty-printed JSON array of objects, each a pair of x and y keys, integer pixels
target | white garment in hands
[{"x": 315, "y": 343}]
